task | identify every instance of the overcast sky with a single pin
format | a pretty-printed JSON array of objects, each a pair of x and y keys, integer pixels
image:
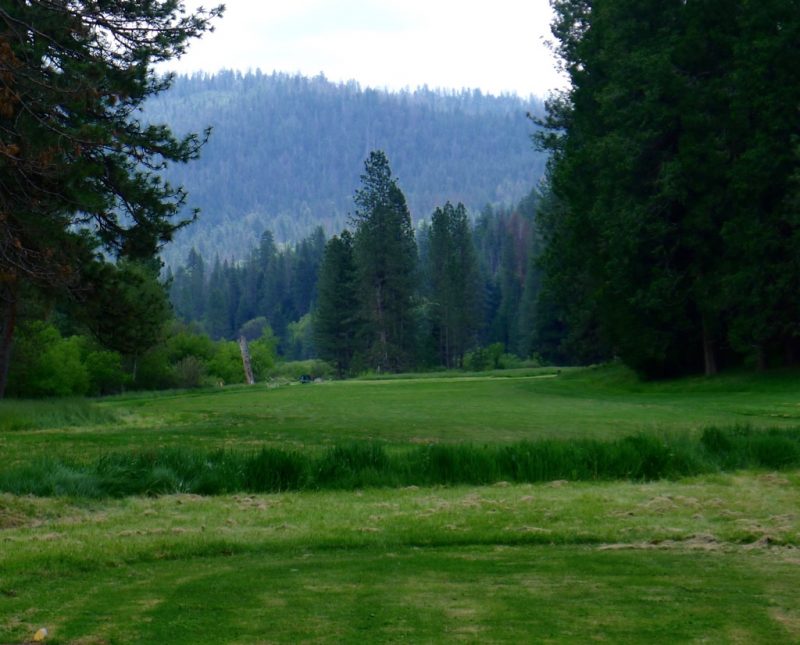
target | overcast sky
[{"x": 497, "y": 45}]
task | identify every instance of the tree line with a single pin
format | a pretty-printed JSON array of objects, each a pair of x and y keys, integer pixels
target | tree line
[
  {"x": 381, "y": 295},
  {"x": 285, "y": 152},
  {"x": 672, "y": 226},
  {"x": 666, "y": 233}
]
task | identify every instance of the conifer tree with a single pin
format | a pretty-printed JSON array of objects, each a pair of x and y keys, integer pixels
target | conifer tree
[
  {"x": 453, "y": 272},
  {"x": 385, "y": 253},
  {"x": 336, "y": 323},
  {"x": 673, "y": 164},
  {"x": 78, "y": 169}
]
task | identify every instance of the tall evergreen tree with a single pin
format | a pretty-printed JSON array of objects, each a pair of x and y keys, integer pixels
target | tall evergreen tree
[
  {"x": 336, "y": 323},
  {"x": 217, "y": 320},
  {"x": 385, "y": 253},
  {"x": 452, "y": 269},
  {"x": 77, "y": 170},
  {"x": 672, "y": 165}
]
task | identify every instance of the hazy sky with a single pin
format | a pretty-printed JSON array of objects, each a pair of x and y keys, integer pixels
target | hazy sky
[{"x": 497, "y": 45}]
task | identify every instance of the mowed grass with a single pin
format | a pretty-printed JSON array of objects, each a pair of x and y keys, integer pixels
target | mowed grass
[
  {"x": 712, "y": 558},
  {"x": 600, "y": 403},
  {"x": 707, "y": 559}
]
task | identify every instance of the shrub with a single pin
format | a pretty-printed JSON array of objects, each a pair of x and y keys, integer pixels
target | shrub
[{"x": 45, "y": 364}]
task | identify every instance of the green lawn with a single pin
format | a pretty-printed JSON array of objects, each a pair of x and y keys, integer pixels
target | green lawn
[
  {"x": 705, "y": 559},
  {"x": 603, "y": 403}
]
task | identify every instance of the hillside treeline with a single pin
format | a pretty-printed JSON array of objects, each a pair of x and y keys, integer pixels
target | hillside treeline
[
  {"x": 454, "y": 286},
  {"x": 285, "y": 150}
]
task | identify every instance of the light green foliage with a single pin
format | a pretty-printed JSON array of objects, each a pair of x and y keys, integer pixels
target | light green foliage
[
  {"x": 184, "y": 341},
  {"x": 263, "y": 353},
  {"x": 48, "y": 364},
  {"x": 226, "y": 363}
]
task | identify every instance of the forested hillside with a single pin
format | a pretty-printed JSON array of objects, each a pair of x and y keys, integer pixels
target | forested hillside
[
  {"x": 468, "y": 287},
  {"x": 286, "y": 152}
]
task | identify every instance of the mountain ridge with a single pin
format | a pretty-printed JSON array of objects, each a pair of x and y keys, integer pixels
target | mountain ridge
[{"x": 287, "y": 151}]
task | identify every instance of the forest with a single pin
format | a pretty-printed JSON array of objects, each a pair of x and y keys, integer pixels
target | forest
[
  {"x": 285, "y": 153},
  {"x": 662, "y": 235},
  {"x": 467, "y": 285}
]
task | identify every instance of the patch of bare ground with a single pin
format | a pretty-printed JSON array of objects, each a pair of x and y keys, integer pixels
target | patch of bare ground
[
  {"x": 704, "y": 542},
  {"x": 696, "y": 542},
  {"x": 774, "y": 479},
  {"x": 90, "y": 640},
  {"x": 789, "y": 620},
  {"x": 528, "y": 529},
  {"x": 10, "y": 519}
]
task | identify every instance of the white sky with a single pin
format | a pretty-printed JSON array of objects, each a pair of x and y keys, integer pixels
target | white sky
[{"x": 495, "y": 45}]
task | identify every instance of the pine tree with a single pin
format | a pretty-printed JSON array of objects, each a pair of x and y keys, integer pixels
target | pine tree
[
  {"x": 385, "y": 254},
  {"x": 336, "y": 323},
  {"x": 453, "y": 273},
  {"x": 673, "y": 163},
  {"x": 77, "y": 169}
]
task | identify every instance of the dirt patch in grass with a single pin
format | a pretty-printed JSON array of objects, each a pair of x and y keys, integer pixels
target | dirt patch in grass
[
  {"x": 528, "y": 529},
  {"x": 774, "y": 479},
  {"x": 789, "y": 620},
  {"x": 11, "y": 519},
  {"x": 697, "y": 542}
]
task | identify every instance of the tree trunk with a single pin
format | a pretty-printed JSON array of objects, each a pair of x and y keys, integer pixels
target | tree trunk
[
  {"x": 248, "y": 369},
  {"x": 8, "y": 303},
  {"x": 383, "y": 339},
  {"x": 709, "y": 352}
]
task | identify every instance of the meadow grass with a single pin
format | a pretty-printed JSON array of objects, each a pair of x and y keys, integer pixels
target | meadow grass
[
  {"x": 530, "y": 506},
  {"x": 359, "y": 465},
  {"x": 707, "y": 558},
  {"x": 603, "y": 403}
]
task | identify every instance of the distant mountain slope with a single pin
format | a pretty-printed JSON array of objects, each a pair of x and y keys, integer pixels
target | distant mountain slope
[{"x": 287, "y": 152}]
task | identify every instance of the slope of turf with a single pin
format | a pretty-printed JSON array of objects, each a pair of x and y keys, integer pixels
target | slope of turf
[
  {"x": 600, "y": 403},
  {"x": 708, "y": 559}
]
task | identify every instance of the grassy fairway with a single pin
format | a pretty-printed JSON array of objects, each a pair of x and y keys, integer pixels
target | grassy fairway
[
  {"x": 601, "y": 403},
  {"x": 711, "y": 558},
  {"x": 661, "y": 562}
]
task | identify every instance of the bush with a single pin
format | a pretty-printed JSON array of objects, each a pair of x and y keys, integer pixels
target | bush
[
  {"x": 106, "y": 375},
  {"x": 226, "y": 364},
  {"x": 190, "y": 372},
  {"x": 45, "y": 364}
]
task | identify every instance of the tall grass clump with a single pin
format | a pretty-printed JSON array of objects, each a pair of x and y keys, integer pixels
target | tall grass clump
[
  {"x": 359, "y": 465},
  {"x": 744, "y": 447},
  {"x": 52, "y": 413},
  {"x": 355, "y": 465},
  {"x": 273, "y": 471}
]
